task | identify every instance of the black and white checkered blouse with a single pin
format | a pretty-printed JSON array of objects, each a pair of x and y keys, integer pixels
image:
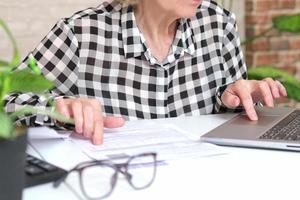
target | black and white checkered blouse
[{"x": 100, "y": 53}]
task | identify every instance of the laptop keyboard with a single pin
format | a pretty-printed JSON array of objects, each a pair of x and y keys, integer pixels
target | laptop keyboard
[
  {"x": 38, "y": 171},
  {"x": 286, "y": 129}
]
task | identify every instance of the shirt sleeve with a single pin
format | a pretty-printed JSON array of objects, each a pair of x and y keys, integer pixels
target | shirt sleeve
[
  {"x": 58, "y": 56},
  {"x": 234, "y": 65}
]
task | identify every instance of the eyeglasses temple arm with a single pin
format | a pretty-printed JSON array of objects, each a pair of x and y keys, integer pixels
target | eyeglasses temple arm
[{"x": 60, "y": 180}]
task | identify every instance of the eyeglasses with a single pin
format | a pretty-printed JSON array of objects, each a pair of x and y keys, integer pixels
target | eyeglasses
[{"x": 98, "y": 178}]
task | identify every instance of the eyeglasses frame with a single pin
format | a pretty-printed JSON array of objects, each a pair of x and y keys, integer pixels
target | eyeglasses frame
[{"x": 118, "y": 167}]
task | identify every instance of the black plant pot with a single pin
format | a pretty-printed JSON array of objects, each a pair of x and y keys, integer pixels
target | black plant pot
[{"x": 12, "y": 163}]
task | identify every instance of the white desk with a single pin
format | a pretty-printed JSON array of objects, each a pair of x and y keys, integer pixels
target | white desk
[{"x": 241, "y": 174}]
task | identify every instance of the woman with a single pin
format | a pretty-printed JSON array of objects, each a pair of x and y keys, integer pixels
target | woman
[{"x": 144, "y": 59}]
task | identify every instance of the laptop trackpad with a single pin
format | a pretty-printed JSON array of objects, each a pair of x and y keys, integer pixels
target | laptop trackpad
[{"x": 243, "y": 128}]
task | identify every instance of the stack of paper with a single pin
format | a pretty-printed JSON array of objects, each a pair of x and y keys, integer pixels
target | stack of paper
[{"x": 136, "y": 137}]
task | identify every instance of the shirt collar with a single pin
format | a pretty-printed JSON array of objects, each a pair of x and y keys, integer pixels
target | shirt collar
[
  {"x": 183, "y": 42},
  {"x": 135, "y": 46},
  {"x": 185, "y": 36}
]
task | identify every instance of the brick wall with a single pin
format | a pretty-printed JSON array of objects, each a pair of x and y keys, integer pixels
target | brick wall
[
  {"x": 31, "y": 20},
  {"x": 278, "y": 49}
]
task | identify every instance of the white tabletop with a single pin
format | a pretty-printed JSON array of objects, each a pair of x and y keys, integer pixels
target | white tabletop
[{"x": 240, "y": 174}]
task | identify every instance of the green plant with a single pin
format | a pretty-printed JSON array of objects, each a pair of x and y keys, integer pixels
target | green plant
[
  {"x": 290, "y": 24},
  {"x": 12, "y": 81},
  {"x": 284, "y": 23}
]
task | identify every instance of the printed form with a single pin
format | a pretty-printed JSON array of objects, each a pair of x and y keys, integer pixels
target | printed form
[{"x": 169, "y": 142}]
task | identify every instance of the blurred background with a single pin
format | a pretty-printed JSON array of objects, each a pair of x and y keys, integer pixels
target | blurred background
[
  {"x": 30, "y": 21},
  {"x": 278, "y": 47}
]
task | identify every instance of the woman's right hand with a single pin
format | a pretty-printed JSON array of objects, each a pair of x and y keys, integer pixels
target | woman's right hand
[{"x": 88, "y": 117}]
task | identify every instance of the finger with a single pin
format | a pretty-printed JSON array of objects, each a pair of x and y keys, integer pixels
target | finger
[
  {"x": 282, "y": 89},
  {"x": 249, "y": 107},
  {"x": 62, "y": 107},
  {"x": 97, "y": 137},
  {"x": 88, "y": 120},
  {"x": 246, "y": 99},
  {"x": 273, "y": 87},
  {"x": 230, "y": 100},
  {"x": 76, "y": 107},
  {"x": 113, "y": 122},
  {"x": 266, "y": 93}
]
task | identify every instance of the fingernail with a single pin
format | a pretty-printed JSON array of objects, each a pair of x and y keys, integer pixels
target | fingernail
[
  {"x": 253, "y": 116},
  {"x": 236, "y": 101},
  {"x": 97, "y": 141},
  {"x": 78, "y": 129},
  {"x": 270, "y": 103}
]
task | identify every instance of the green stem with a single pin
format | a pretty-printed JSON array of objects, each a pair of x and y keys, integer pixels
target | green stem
[
  {"x": 251, "y": 39},
  {"x": 33, "y": 110},
  {"x": 16, "y": 58},
  {"x": 2, "y": 98},
  {"x": 3, "y": 88}
]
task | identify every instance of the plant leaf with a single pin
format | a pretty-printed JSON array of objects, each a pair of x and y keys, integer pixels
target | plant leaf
[
  {"x": 291, "y": 84},
  {"x": 33, "y": 110},
  {"x": 16, "y": 55},
  {"x": 6, "y": 126},
  {"x": 287, "y": 23},
  {"x": 4, "y": 63},
  {"x": 24, "y": 81}
]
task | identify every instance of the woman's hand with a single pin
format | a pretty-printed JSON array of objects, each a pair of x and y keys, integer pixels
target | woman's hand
[
  {"x": 247, "y": 92},
  {"x": 88, "y": 117}
]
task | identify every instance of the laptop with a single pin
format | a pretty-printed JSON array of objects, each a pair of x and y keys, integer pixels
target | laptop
[{"x": 276, "y": 128}]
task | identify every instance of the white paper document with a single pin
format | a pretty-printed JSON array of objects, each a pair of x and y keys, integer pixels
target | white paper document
[
  {"x": 37, "y": 133},
  {"x": 138, "y": 137},
  {"x": 60, "y": 152},
  {"x": 171, "y": 144}
]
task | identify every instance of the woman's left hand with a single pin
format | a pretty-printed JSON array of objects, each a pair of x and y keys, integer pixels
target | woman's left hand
[{"x": 247, "y": 92}]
